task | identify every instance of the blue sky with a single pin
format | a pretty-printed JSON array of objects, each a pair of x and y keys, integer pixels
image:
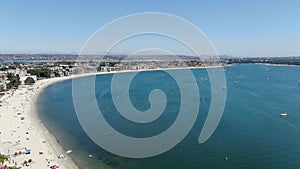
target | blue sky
[{"x": 235, "y": 27}]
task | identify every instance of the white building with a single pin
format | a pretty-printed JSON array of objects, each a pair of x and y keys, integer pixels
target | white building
[{"x": 23, "y": 78}]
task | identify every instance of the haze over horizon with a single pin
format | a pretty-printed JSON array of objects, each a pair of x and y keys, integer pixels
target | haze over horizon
[{"x": 238, "y": 28}]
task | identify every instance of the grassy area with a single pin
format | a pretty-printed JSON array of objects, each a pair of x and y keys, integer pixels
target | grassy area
[
  {"x": 14, "y": 167},
  {"x": 2, "y": 158}
]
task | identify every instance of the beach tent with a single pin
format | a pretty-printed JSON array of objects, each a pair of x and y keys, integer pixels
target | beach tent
[{"x": 27, "y": 151}]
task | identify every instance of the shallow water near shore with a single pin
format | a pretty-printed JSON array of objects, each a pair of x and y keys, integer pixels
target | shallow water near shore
[{"x": 251, "y": 133}]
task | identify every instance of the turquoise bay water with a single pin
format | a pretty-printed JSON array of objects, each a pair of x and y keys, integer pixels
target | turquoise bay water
[{"x": 251, "y": 133}]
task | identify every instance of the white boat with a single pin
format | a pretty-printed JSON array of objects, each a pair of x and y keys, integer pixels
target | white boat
[{"x": 283, "y": 114}]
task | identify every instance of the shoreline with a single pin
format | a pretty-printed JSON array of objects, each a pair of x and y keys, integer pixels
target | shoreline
[
  {"x": 46, "y": 140},
  {"x": 269, "y": 64},
  {"x": 266, "y": 64},
  {"x": 51, "y": 139}
]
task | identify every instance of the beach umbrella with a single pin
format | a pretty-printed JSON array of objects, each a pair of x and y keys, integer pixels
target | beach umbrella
[{"x": 54, "y": 167}]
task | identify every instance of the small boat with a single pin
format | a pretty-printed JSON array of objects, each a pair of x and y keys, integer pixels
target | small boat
[
  {"x": 235, "y": 82},
  {"x": 68, "y": 151},
  {"x": 283, "y": 114}
]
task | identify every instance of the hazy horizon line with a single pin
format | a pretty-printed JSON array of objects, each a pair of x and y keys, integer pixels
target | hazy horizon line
[{"x": 125, "y": 54}]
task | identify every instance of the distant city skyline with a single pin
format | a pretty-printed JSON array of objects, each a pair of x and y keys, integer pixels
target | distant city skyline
[{"x": 239, "y": 28}]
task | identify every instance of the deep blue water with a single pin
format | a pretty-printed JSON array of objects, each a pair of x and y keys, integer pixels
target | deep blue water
[{"x": 251, "y": 133}]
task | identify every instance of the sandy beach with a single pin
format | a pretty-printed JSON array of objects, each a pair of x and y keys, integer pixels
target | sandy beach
[{"x": 22, "y": 131}]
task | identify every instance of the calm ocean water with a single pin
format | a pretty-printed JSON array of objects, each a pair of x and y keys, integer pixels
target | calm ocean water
[{"x": 251, "y": 133}]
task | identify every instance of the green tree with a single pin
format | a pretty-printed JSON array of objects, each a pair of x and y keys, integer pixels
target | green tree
[
  {"x": 3, "y": 69},
  {"x": 40, "y": 72},
  {"x": 14, "y": 81},
  {"x": 29, "y": 81},
  {"x": 16, "y": 64}
]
